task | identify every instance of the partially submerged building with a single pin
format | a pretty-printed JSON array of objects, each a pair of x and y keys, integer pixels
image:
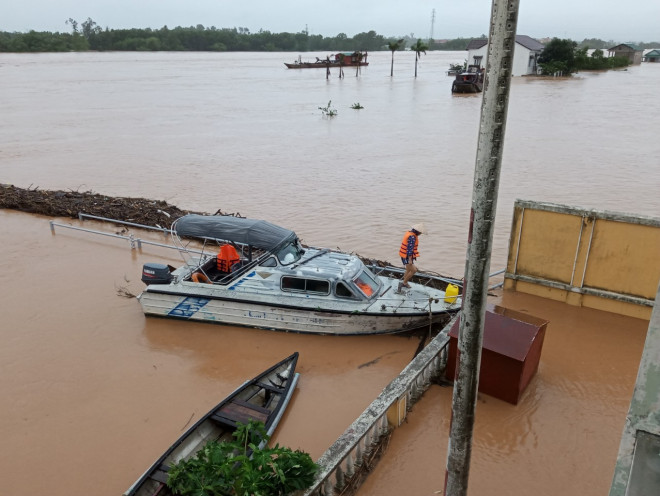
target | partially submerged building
[
  {"x": 652, "y": 56},
  {"x": 628, "y": 50},
  {"x": 525, "y": 54}
]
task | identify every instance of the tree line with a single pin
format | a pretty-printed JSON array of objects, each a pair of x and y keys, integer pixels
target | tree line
[
  {"x": 88, "y": 35},
  {"x": 566, "y": 57}
]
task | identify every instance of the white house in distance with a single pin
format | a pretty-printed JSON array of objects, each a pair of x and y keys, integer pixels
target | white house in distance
[{"x": 525, "y": 54}]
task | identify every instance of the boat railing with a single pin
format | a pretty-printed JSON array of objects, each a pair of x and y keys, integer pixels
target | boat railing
[
  {"x": 430, "y": 276},
  {"x": 136, "y": 243},
  {"x": 344, "y": 462}
]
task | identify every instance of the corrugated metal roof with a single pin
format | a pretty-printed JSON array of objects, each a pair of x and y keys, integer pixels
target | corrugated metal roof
[
  {"x": 522, "y": 39},
  {"x": 529, "y": 42},
  {"x": 476, "y": 44},
  {"x": 629, "y": 45}
]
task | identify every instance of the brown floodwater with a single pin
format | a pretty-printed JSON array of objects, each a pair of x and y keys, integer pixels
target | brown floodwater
[
  {"x": 93, "y": 392},
  {"x": 561, "y": 438}
]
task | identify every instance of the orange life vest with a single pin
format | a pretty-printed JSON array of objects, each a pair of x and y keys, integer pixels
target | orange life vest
[
  {"x": 403, "y": 251},
  {"x": 366, "y": 289},
  {"x": 227, "y": 256}
]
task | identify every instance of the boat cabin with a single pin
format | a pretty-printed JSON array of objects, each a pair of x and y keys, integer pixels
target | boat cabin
[{"x": 249, "y": 248}]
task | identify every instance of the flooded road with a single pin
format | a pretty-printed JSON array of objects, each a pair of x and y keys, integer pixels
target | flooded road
[{"x": 94, "y": 392}]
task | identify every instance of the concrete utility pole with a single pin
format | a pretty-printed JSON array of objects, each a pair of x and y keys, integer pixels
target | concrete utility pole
[{"x": 501, "y": 41}]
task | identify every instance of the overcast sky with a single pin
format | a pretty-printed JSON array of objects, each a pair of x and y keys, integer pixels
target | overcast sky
[{"x": 616, "y": 20}]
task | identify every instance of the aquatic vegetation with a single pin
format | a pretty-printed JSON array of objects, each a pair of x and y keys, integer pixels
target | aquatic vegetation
[{"x": 328, "y": 111}]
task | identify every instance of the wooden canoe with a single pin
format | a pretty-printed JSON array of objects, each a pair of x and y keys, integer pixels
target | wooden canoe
[{"x": 263, "y": 398}]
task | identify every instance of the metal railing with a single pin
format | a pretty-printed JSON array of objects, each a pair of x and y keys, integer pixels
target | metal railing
[
  {"x": 138, "y": 242},
  {"x": 458, "y": 282},
  {"x": 164, "y": 230},
  {"x": 134, "y": 241}
]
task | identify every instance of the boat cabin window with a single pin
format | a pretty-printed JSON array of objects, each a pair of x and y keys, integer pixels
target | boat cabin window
[
  {"x": 342, "y": 291},
  {"x": 269, "y": 262},
  {"x": 366, "y": 282},
  {"x": 290, "y": 253},
  {"x": 317, "y": 286}
]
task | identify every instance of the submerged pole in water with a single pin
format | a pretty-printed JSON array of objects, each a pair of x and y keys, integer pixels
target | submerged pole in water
[{"x": 504, "y": 20}]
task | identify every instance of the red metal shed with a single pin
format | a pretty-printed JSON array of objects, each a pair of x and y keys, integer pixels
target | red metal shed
[{"x": 510, "y": 353}]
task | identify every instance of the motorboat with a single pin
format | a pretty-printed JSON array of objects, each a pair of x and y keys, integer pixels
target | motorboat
[
  {"x": 252, "y": 273},
  {"x": 469, "y": 81}
]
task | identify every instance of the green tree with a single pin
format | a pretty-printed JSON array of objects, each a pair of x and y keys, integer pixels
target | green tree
[
  {"x": 558, "y": 56},
  {"x": 90, "y": 30},
  {"x": 340, "y": 57},
  {"x": 359, "y": 56},
  {"x": 393, "y": 46},
  {"x": 420, "y": 48},
  {"x": 241, "y": 467},
  {"x": 368, "y": 41}
]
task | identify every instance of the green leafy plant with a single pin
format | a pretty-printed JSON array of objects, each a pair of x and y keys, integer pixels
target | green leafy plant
[
  {"x": 357, "y": 106},
  {"x": 241, "y": 467},
  {"x": 328, "y": 110}
]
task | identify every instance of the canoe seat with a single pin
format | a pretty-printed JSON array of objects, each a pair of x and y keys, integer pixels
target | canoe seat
[
  {"x": 240, "y": 411},
  {"x": 161, "y": 473},
  {"x": 270, "y": 387}
]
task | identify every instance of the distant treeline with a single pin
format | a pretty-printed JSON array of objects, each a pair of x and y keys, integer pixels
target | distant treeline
[{"x": 90, "y": 36}]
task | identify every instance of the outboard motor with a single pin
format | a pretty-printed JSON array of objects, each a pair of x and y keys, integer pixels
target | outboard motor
[{"x": 155, "y": 273}]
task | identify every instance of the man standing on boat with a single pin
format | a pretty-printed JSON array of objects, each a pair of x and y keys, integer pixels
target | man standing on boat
[{"x": 409, "y": 253}]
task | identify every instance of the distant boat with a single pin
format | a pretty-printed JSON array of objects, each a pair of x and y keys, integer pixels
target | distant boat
[
  {"x": 344, "y": 59},
  {"x": 469, "y": 81},
  {"x": 263, "y": 398},
  {"x": 455, "y": 69}
]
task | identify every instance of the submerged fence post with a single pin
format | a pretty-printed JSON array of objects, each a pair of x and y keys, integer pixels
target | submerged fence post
[{"x": 501, "y": 42}]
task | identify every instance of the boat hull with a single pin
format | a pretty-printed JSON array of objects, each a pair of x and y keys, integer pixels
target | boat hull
[
  {"x": 282, "y": 317},
  {"x": 322, "y": 65},
  {"x": 466, "y": 87}
]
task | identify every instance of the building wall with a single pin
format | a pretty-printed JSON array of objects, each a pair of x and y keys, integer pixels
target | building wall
[
  {"x": 483, "y": 52},
  {"x": 634, "y": 56},
  {"x": 521, "y": 65},
  {"x": 601, "y": 260},
  {"x": 520, "y": 59}
]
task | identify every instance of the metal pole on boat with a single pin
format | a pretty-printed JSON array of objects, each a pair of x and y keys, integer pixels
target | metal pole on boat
[{"x": 501, "y": 41}]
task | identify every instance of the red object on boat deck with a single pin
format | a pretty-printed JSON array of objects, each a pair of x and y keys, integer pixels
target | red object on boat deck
[
  {"x": 510, "y": 353},
  {"x": 227, "y": 257}
]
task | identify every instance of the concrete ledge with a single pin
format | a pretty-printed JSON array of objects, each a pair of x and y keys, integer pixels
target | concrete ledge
[{"x": 387, "y": 411}]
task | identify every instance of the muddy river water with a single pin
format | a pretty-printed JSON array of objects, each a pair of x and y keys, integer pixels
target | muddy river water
[{"x": 93, "y": 392}]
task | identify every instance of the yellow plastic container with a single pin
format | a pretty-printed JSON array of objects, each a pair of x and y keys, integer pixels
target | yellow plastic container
[{"x": 450, "y": 293}]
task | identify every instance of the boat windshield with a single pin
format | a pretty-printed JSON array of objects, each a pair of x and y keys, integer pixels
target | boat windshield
[
  {"x": 366, "y": 282},
  {"x": 290, "y": 253}
]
